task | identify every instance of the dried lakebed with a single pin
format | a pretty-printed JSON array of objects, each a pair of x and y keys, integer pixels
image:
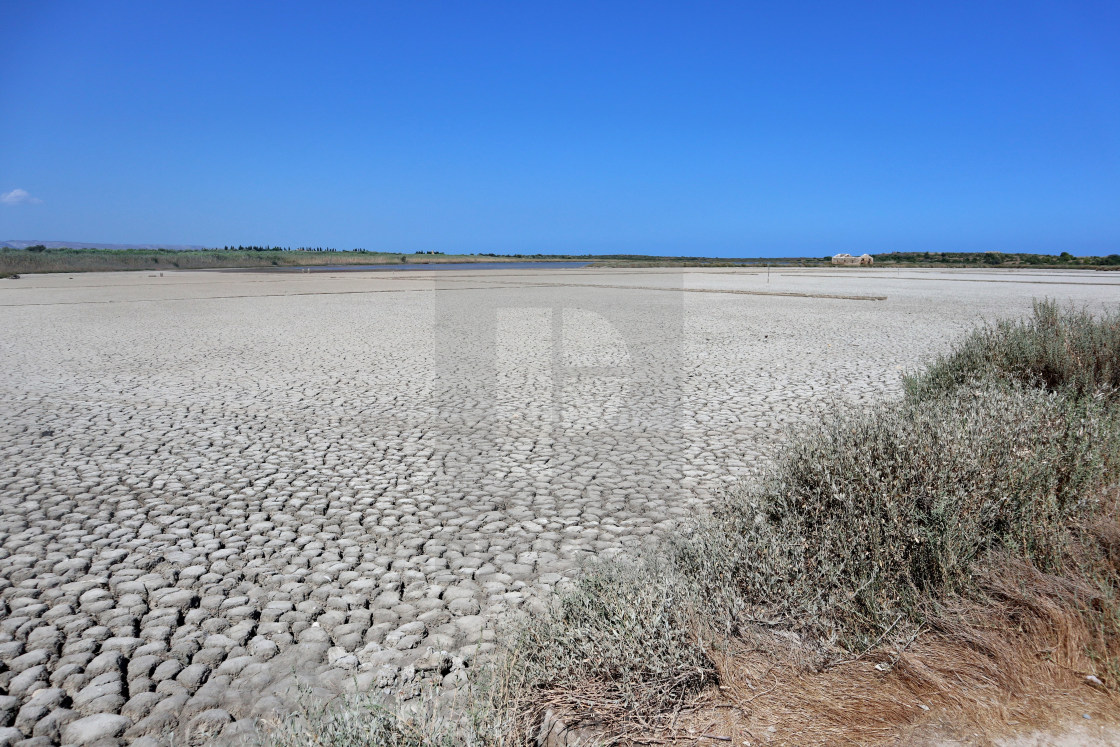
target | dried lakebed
[{"x": 217, "y": 486}]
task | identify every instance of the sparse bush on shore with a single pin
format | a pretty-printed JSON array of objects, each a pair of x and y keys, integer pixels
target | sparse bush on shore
[
  {"x": 1057, "y": 349},
  {"x": 871, "y": 512}
]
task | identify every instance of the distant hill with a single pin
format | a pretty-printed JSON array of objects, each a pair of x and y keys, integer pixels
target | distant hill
[{"x": 14, "y": 244}]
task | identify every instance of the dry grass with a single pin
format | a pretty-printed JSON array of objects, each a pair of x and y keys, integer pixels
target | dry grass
[
  {"x": 1015, "y": 655},
  {"x": 1018, "y": 657},
  {"x": 1019, "y": 660}
]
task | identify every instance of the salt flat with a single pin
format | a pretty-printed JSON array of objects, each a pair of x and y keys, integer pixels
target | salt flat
[{"x": 214, "y": 484}]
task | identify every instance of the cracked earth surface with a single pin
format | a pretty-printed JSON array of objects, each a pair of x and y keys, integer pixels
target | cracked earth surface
[{"x": 215, "y": 486}]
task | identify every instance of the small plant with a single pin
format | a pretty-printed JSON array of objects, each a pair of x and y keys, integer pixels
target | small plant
[
  {"x": 359, "y": 720},
  {"x": 630, "y": 629},
  {"x": 480, "y": 715}
]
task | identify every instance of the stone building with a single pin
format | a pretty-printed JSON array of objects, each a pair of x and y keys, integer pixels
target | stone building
[{"x": 849, "y": 260}]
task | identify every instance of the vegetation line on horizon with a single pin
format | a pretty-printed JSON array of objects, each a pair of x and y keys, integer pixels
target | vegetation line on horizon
[{"x": 39, "y": 259}]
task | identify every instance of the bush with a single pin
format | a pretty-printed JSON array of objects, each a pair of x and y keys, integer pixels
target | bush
[
  {"x": 1059, "y": 350},
  {"x": 867, "y": 513}
]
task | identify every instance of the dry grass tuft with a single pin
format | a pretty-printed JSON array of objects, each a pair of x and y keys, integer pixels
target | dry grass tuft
[
  {"x": 1020, "y": 659},
  {"x": 1017, "y": 653}
]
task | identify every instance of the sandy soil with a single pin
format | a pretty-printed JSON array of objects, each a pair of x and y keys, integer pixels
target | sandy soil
[{"x": 215, "y": 485}]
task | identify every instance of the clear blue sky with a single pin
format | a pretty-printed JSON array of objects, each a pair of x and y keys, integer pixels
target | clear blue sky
[{"x": 733, "y": 129}]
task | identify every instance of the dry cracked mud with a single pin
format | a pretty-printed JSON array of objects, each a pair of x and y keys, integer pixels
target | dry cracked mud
[{"x": 215, "y": 486}]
